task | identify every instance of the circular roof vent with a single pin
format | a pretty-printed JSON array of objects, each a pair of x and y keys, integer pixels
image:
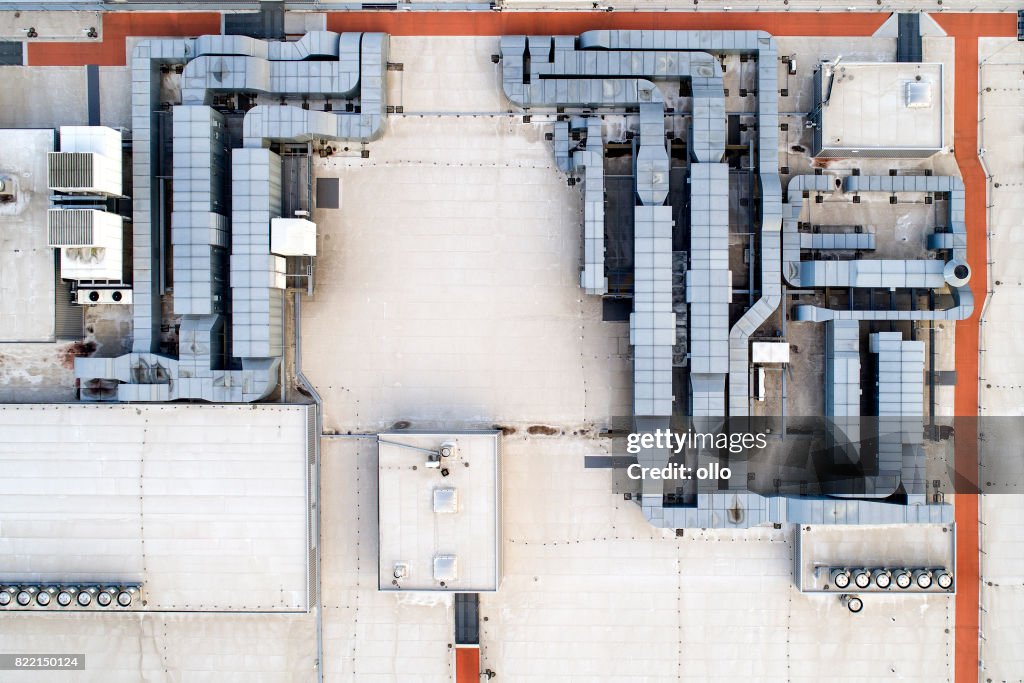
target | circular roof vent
[{"x": 956, "y": 273}]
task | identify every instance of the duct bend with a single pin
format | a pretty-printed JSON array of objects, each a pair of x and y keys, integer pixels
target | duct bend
[
  {"x": 280, "y": 69},
  {"x": 284, "y": 123}
]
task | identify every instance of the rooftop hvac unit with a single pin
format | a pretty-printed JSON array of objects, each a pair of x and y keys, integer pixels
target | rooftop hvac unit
[
  {"x": 83, "y": 172},
  {"x": 861, "y": 578},
  {"x": 449, "y": 449},
  {"x": 840, "y": 578},
  {"x": 45, "y": 596},
  {"x": 903, "y": 578},
  {"x": 84, "y": 228},
  {"x": 71, "y": 597},
  {"x": 401, "y": 570},
  {"x": 125, "y": 597},
  {"x": 92, "y": 297},
  {"x": 90, "y": 161},
  {"x": 65, "y": 597},
  {"x": 25, "y": 596},
  {"x": 292, "y": 237},
  {"x": 852, "y": 603}
]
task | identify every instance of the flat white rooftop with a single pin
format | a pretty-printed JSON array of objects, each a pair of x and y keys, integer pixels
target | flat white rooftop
[
  {"x": 882, "y": 105},
  {"x": 26, "y": 260},
  {"x": 205, "y": 505},
  {"x": 439, "y": 516}
]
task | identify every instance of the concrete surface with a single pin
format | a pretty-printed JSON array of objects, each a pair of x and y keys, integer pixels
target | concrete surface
[
  {"x": 204, "y": 505},
  {"x": 414, "y": 532},
  {"x": 467, "y": 285},
  {"x": 50, "y": 25},
  {"x": 371, "y": 636},
  {"x": 26, "y": 260},
  {"x": 58, "y": 97},
  {"x": 592, "y": 592},
  {"x": 1002, "y": 373},
  {"x": 866, "y": 106},
  {"x": 128, "y": 648},
  {"x": 1002, "y": 138}
]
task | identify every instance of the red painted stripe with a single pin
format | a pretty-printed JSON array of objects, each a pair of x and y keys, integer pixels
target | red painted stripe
[
  {"x": 467, "y": 664},
  {"x": 540, "y": 23},
  {"x": 966, "y": 29}
]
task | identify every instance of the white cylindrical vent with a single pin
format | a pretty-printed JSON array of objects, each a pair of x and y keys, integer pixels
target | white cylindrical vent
[
  {"x": 104, "y": 599},
  {"x": 944, "y": 579},
  {"x": 64, "y": 598},
  {"x": 861, "y": 578},
  {"x": 24, "y": 598},
  {"x": 840, "y": 578},
  {"x": 923, "y": 579},
  {"x": 882, "y": 578},
  {"x": 903, "y": 578},
  {"x": 5, "y": 598},
  {"x": 852, "y": 603},
  {"x": 85, "y": 598},
  {"x": 124, "y": 599}
]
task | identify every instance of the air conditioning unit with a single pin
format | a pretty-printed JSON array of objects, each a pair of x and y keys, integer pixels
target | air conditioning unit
[
  {"x": 108, "y": 295},
  {"x": 840, "y": 578},
  {"x": 21, "y": 597}
]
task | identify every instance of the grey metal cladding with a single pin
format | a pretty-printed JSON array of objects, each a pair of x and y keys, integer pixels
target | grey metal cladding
[
  {"x": 230, "y": 45},
  {"x": 360, "y": 70},
  {"x": 257, "y": 276},
  {"x": 843, "y": 241},
  {"x": 590, "y": 161},
  {"x": 206, "y": 75},
  {"x": 561, "y": 144},
  {"x": 146, "y": 58},
  {"x": 199, "y": 227},
  {"x": 652, "y": 323},
  {"x": 900, "y": 376},
  {"x": 652, "y": 160},
  {"x": 932, "y": 273},
  {"x": 842, "y": 369},
  {"x": 287, "y": 123}
]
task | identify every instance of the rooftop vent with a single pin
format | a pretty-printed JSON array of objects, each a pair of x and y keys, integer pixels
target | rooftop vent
[
  {"x": 446, "y": 501},
  {"x": 446, "y": 568},
  {"x": 919, "y": 95}
]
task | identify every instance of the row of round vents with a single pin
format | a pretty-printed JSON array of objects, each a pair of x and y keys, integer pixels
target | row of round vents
[
  {"x": 885, "y": 579},
  {"x": 67, "y": 596}
]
